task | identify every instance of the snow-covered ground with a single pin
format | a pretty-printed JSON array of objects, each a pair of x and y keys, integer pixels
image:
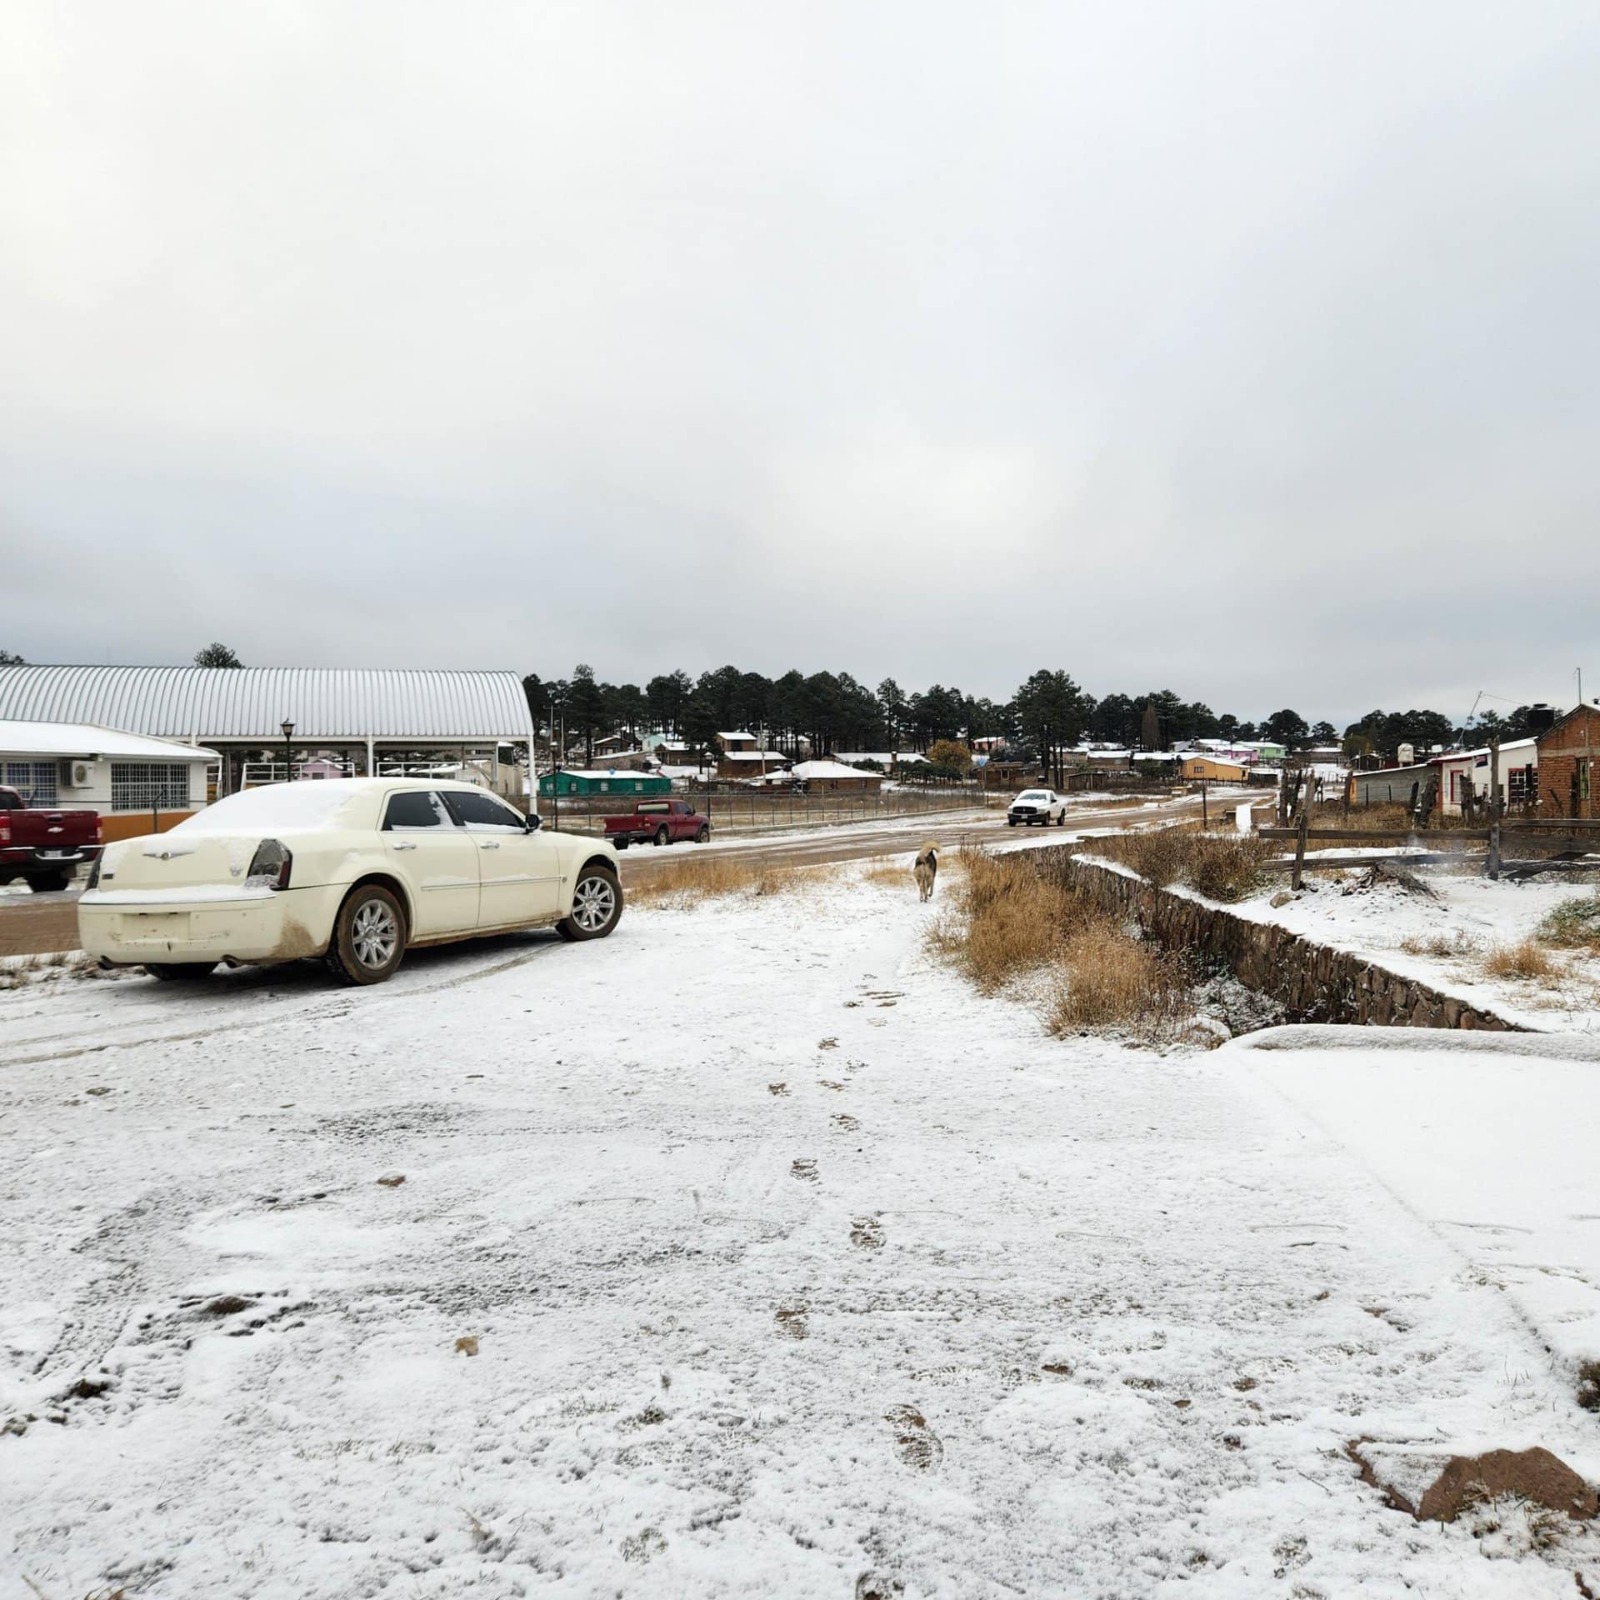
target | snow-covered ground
[
  {"x": 1444, "y": 937},
  {"x": 791, "y": 1268}
]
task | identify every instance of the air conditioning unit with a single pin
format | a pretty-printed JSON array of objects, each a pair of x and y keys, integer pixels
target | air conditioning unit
[{"x": 81, "y": 776}]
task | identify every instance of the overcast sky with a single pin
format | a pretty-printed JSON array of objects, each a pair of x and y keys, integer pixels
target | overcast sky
[{"x": 1250, "y": 350}]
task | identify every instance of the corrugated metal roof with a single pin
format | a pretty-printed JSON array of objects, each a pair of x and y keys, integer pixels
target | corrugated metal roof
[
  {"x": 86, "y": 739},
  {"x": 249, "y": 703}
]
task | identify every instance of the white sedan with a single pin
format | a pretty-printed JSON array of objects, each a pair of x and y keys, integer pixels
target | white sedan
[
  {"x": 355, "y": 870},
  {"x": 1042, "y": 806}
]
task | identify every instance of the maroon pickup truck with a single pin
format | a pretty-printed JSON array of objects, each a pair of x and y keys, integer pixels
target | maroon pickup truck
[
  {"x": 44, "y": 846},
  {"x": 663, "y": 821}
]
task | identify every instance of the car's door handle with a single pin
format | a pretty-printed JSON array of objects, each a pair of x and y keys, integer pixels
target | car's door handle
[
  {"x": 490, "y": 844},
  {"x": 405, "y": 844}
]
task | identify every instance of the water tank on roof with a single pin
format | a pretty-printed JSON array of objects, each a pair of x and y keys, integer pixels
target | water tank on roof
[
  {"x": 1405, "y": 755},
  {"x": 1541, "y": 718}
]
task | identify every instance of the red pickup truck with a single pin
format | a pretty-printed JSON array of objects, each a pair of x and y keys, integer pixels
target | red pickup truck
[
  {"x": 663, "y": 821},
  {"x": 44, "y": 846}
]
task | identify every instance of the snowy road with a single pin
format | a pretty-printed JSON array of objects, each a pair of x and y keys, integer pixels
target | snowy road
[{"x": 794, "y": 1269}]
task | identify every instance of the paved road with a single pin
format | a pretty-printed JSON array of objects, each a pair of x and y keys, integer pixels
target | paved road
[{"x": 41, "y": 923}]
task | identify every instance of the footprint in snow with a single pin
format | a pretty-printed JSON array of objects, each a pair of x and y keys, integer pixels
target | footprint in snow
[
  {"x": 805, "y": 1168},
  {"x": 914, "y": 1441},
  {"x": 867, "y": 1232}
]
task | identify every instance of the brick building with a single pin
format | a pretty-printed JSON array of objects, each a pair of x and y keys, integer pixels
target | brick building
[{"x": 1568, "y": 752}]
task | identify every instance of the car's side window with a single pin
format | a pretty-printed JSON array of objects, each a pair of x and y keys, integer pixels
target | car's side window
[
  {"x": 482, "y": 813},
  {"x": 415, "y": 808}
]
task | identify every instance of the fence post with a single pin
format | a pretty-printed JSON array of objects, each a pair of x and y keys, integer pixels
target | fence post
[
  {"x": 1492, "y": 866},
  {"x": 1300, "y": 848}
]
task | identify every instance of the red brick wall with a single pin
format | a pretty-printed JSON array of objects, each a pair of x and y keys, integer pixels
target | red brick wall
[{"x": 1563, "y": 752}]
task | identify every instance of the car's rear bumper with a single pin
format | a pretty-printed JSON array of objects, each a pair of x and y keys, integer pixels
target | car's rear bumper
[{"x": 247, "y": 925}]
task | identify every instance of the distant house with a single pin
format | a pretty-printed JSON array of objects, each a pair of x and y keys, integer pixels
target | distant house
[
  {"x": 1211, "y": 769},
  {"x": 612, "y": 781},
  {"x": 833, "y": 777},
  {"x": 1522, "y": 776},
  {"x": 748, "y": 764},
  {"x": 886, "y": 759},
  {"x": 1567, "y": 755},
  {"x": 737, "y": 740}
]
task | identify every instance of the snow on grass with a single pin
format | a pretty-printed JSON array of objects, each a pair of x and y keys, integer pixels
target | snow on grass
[
  {"x": 747, "y": 1252},
  {"x": 1457, "y": 931}
]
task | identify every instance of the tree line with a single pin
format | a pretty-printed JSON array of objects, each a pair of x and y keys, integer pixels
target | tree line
[{"x": 1048, "y": 713}]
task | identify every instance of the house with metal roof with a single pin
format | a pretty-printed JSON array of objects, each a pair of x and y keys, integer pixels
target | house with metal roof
[
  {"x": 136, "y": 784},
  {"x": 375, "y": 719},
  {"x": 613, "y": 781}
]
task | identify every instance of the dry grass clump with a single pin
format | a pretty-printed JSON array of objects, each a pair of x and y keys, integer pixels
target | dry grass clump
[
  {"x": 1440, "y": 944},
  {"x": 889, "y": 875},
  {"x": 1223, "y": 867},
  {"x": 1525, "y": 959},
  {"x": 694, "y": 878},
  {"x": 23, "y": 970},
  {"x": 1006, "y": 919},
  {"x": 1008, "y": 922},
  {"x": 1573, "y": 925},
  {"x": 1112, "y": 981}
]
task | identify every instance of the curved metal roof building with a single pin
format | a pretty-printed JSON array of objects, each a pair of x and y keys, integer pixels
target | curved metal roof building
[{"x": 247, "y": 705}]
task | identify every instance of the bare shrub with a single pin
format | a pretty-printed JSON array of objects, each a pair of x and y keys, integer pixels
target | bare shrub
[
  {"x": 1522, "y": 960},
  {"x": 1219, "y": 866},
  {"x": 888, "y": 875},
  {"x": 1574, "y": 924}
]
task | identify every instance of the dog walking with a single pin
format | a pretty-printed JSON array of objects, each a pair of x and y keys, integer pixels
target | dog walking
[{"x": 926, "y": 870}]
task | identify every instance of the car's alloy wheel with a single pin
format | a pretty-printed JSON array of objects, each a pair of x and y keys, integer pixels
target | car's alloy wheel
[
  {"x": 596, "y": 905},
  {"x": 662, "y": 836},
  {"x": 374, "y": 933},
  {"x": 369, "y": 938}
]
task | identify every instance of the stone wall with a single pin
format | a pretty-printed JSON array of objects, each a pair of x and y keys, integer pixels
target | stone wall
[{"x": 1313, "y": 982}]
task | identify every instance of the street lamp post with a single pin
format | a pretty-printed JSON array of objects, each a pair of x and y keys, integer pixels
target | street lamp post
[{"x": 287, "y": 728}]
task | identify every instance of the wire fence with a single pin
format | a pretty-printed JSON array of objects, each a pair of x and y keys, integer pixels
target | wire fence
[{"x": 755, "y": 812}]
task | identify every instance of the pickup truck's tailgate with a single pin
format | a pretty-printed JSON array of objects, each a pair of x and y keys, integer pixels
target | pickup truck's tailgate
[{"x": 53, "y": 830}]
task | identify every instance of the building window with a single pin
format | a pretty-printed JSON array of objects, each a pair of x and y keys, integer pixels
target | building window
[
  {"x": 1519, "y": 785},
  {"x": 35, "y": 781},
  {"x": 149, "y": 786}
]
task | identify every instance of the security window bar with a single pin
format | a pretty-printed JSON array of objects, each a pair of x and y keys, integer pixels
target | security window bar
[
  {"x": 149, "y": 786},
  {"x": 35, "y": 781}
]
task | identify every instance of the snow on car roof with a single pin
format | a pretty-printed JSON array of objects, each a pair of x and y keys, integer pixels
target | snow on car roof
[{"x": 312, "y": 803}]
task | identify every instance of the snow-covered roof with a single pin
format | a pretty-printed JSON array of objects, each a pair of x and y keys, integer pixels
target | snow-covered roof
[
  {"x": 83, "y": 739},
  {"x": 1511, "y": 747},
  {"x": 736, "y": 735},
  {"x": 885, "y": 758},
  {"x": 807, "y": 770},
  {"x": 247, "y": 704},
  {"x": 753, "y": 755},
  {"x": 605, "y": 772}
]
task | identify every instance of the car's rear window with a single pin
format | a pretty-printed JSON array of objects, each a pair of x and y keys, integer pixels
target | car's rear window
[
  {"x": 10, "y": 800},
  {"x": 285, "y": 806}
]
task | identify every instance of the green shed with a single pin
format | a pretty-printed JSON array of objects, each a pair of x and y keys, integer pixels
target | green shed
[{"x": 628, "y": 783}]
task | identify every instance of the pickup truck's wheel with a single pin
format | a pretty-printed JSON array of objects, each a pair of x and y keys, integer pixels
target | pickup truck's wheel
[
  {"x": 662, "y": 836},
  {"x": 1011, "y": 822},
  {"x": 621, "y": 842},
  {"x": 48, "y": 882},
  {"x": 369, "y": 936},
  {"x": 704, "y": 833},
  {"x": 1061, "y": 821},
  {"x": 596, "y": 904},
  {"x": 181, "y": 971}
]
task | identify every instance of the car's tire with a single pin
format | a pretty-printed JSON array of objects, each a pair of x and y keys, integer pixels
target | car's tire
[
  {"x": 1011, "y": 822},
  {"x": 1061, "y": 821},
  {"x": 369, "y": 936},
  {"x": 621, "y": 842},
  {"x": 181, "y": 971},
  {"x": 704, "y": 834},
  {"x": 596, "y": 904},
  {"x": 662, "y": 836},
  {"x": 48, "y": 882}
]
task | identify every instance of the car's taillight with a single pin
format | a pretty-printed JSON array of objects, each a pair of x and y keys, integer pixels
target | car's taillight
[
  {"x": 5, "y": 830},
  {"x": 94, "y": 873},
  {"x": 270, "y": 866},
  {"x": 99, "y": 835}
]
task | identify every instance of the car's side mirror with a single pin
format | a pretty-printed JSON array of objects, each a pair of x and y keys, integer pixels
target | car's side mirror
[
  {"x": 535, "y": 822},
  {"x": 693, "y": 812}
]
